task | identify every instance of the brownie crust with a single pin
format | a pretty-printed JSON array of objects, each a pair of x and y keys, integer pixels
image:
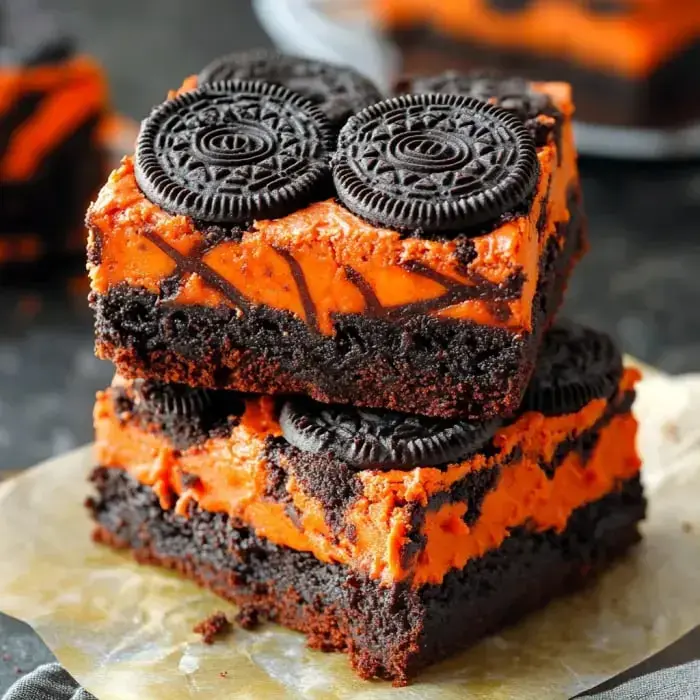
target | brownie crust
[
  {"x": 481, "y": 373},
  {"x": 389, "y": 632}
]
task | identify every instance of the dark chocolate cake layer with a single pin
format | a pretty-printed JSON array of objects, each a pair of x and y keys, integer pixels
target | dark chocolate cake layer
[
  {"x": 388, "y": 631},
  {"x": 398, "y": 365}
]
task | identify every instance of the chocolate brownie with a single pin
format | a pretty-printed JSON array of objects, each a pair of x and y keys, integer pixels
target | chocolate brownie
[
  {"x": 52, "y": 102},
  {"x": 418, "y": 516},
  {"x": 629, "y": 61},
  {"x": 411, "y": 264}
]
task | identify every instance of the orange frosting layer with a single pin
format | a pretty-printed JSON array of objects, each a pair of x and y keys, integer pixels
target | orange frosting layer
[
  {"x": 74, "y": 91},
  {"x": 331, "y": 247},
  {"x": 633, "y": 44},
  {"x": 233, "y": 474}
]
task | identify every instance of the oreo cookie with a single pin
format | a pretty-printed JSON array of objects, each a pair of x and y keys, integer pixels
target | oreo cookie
[
  {"x": 513, "y": 94},
  {"x": 187, "y": 416},
  {"x": 434, "y": 163},
  {"x": 338, "y": 91},
  {"x": 607, "y": 7},
  {"x": 510, "y": 6},
  {"x": 234, "y": 151},
  {"x": 366, "y": 439},
  {"x": 575, "y": 365}
]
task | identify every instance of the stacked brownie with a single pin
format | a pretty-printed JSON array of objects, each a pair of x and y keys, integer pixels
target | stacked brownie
[
  {"x": 341, "y": 399},
  {"x": 52, "y": 104}
]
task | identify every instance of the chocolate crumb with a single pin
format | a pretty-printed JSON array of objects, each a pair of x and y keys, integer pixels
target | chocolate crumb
[
  {"x": 216, "y": 625},
  {"x": 247, "y": 618}
]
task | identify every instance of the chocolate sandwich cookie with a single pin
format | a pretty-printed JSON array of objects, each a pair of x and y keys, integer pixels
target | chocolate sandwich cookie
[
  {"x": 231, "y": 152},
  {"x": 338, "y": 91},
  {"x": 509, "y": 6},
  {"x": 352, "y": 525},
  {"x": 411, "y": 265},
  {"x": 576, "y": 365},
  {"x": 434, "y": 163},
  {"x": 367, "y": 439},
  {"x": 185, "y": 416},
  {"x": 516, "y": 95}
]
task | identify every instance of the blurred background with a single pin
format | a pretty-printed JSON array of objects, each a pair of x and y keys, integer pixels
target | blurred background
[{"x": 634, "y": 66}]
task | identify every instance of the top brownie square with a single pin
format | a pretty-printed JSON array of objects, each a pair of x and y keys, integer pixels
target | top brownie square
[{"x": 282, "y": 230}]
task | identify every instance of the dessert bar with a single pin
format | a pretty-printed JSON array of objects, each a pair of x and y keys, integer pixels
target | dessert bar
[
  {"x": 412, "y": 263},
  {"x": 630, "y": 61},
  {"x": 52, "y": 164},
  {"x": 398, "y": 539}
]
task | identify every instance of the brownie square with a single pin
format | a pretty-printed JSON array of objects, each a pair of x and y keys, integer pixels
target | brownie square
[
  {"x": 630, "y": 62},
  {"x": 428, "y": 296},
  {"x": 397, "y": 539}
]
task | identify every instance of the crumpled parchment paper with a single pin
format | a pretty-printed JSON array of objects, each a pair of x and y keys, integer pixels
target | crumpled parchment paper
[{"x": 124, "y": 631}]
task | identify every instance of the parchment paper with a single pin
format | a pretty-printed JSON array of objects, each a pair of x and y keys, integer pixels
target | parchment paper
[{"x": 124, "y": 631}]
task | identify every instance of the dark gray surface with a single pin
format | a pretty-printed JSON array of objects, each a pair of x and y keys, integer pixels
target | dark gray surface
[{"x": 641, "y": 280}]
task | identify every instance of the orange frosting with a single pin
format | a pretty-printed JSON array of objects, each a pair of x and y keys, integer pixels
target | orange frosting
[
  {"x": 331, "y": 247},
  {"x": 74, "y": 91},
  {"x": 632, "y": 43},
  {"x": 232, "y": 475}
]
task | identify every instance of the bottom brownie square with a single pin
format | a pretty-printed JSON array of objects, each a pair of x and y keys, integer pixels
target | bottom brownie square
[
  {"x": 399, "y": 539},
  {"x": 388, "y": 631}
]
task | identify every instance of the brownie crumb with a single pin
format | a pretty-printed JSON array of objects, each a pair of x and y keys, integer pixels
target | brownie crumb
[
  {"x": 247, "y": 618},
  {"x": 213, "y": 627}
]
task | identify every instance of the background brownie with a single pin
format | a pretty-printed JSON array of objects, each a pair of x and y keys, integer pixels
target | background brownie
[
  {"x": 51, "y": 157},
  {"x": 630, "y": 61}
]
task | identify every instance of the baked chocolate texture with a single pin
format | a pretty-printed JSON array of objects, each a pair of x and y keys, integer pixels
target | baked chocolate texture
[
  {"x": 481, "y": 373},
  {"x": 658, "y": 100},
  {"x": 389, "y": 631}
]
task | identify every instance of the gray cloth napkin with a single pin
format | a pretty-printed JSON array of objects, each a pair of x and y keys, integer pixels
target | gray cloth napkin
[
  {"x": 672, "y": 674},
  {"x": 48, "y": 682}
]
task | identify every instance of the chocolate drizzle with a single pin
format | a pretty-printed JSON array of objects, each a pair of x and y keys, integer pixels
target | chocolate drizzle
[
  {"x": 193, "y": 264},
  {"x": 373, "y": 306},
  {"x": 455, "y": 291},
  {"x": 303, "y": 288}
]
